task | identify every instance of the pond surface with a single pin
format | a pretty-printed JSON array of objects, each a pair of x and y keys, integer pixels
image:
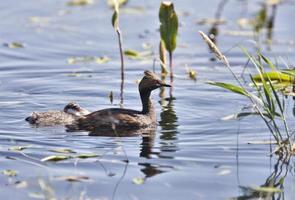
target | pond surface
[{"x": 192, "y": 154}]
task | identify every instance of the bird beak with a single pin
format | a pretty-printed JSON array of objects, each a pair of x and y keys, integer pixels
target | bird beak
[{"x": 165, "y": 85}]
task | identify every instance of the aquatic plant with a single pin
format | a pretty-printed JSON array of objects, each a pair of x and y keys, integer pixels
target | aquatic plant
[
  {"x": 162, "y": 55},
  {"x": 115, "y": 23},
  {"x": 168, "y": 30},
  {"x": 265, "y": 98}
]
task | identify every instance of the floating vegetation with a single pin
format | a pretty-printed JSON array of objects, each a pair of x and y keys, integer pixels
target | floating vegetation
[
  {"x": 79, "y": 2},
  {"x": 9, "y": 172},
  {"x": 56, "y": 158},
  {"x": 138, "y": 181},
  {"x": 192, "y": 74},
  {"x": 86, "y": 155},
  {"x": 18, "y": 148},
  {"x": 14, "y": 45},
  {"x": 133, "y": 54},
  {"x": 21, "y": 184},
  {"x": 72, "y": 178},
  {"x": 210, "y": 21},
  {"x": 62, "y": 150},
  {"x": 88, "y": 59}
]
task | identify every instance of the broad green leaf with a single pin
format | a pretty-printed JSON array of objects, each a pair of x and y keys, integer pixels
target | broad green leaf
[
  {"x": 55, "y": 158},
  {"x": 169, "y": 25},
  {"x": 86, "y": 155},
  {"x": 231, "y": 87},
  {"x": 138, "y": 181},
  {"x": 9, "y": 172},
  {"x": 275, "y": 76}
]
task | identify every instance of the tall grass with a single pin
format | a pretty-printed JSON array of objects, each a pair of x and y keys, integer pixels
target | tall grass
[{"x": 265, "y": 98}]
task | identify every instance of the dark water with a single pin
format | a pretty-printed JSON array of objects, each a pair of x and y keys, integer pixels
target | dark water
[{"x": 191, "y": 155}]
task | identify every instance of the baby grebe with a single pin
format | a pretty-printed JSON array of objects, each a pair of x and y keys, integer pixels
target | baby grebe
[
  {"x": 72, "y": 111},
  {"x": 125, "y": 119}
]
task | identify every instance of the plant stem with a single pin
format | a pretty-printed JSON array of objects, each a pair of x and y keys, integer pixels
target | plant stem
[
  {"x": 171, "y": 72},
  {"x": 122, "y": 65}
]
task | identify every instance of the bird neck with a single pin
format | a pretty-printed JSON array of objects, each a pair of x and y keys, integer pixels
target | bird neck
[{"x": 147, "y": 106}]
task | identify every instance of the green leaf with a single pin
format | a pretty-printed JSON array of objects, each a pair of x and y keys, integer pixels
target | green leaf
[
  {"x": 267, "y": 61},
  {"x": 138, "y": 181},
  {"x": 231, "y": 87},
  {"x": 169, "y": 25},
  {"x": 132, "y": 53},
  {"x": 266, "y": 189},
  {"x": 55, "y": 158},
  {"x": 115, "y": 21},
  {"x": 9, "y": 172},
  {"x": 86, "y": 155},
  {"x": 275, "y": 76}
]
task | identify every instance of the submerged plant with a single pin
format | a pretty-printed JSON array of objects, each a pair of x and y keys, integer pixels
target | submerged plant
[{"x": 266, "y": 101}]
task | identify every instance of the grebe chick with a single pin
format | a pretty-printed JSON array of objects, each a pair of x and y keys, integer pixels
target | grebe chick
[
  {"x": 72, "y": 111},
  {"x": 125, "y": 119}
]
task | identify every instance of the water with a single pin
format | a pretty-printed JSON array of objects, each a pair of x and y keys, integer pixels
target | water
[{"x": 191, "y": 155}]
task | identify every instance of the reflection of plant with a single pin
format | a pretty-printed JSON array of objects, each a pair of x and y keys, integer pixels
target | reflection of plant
[
  {"x": 273, "y": 188},
  {"x": 266, "y": 102}
]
